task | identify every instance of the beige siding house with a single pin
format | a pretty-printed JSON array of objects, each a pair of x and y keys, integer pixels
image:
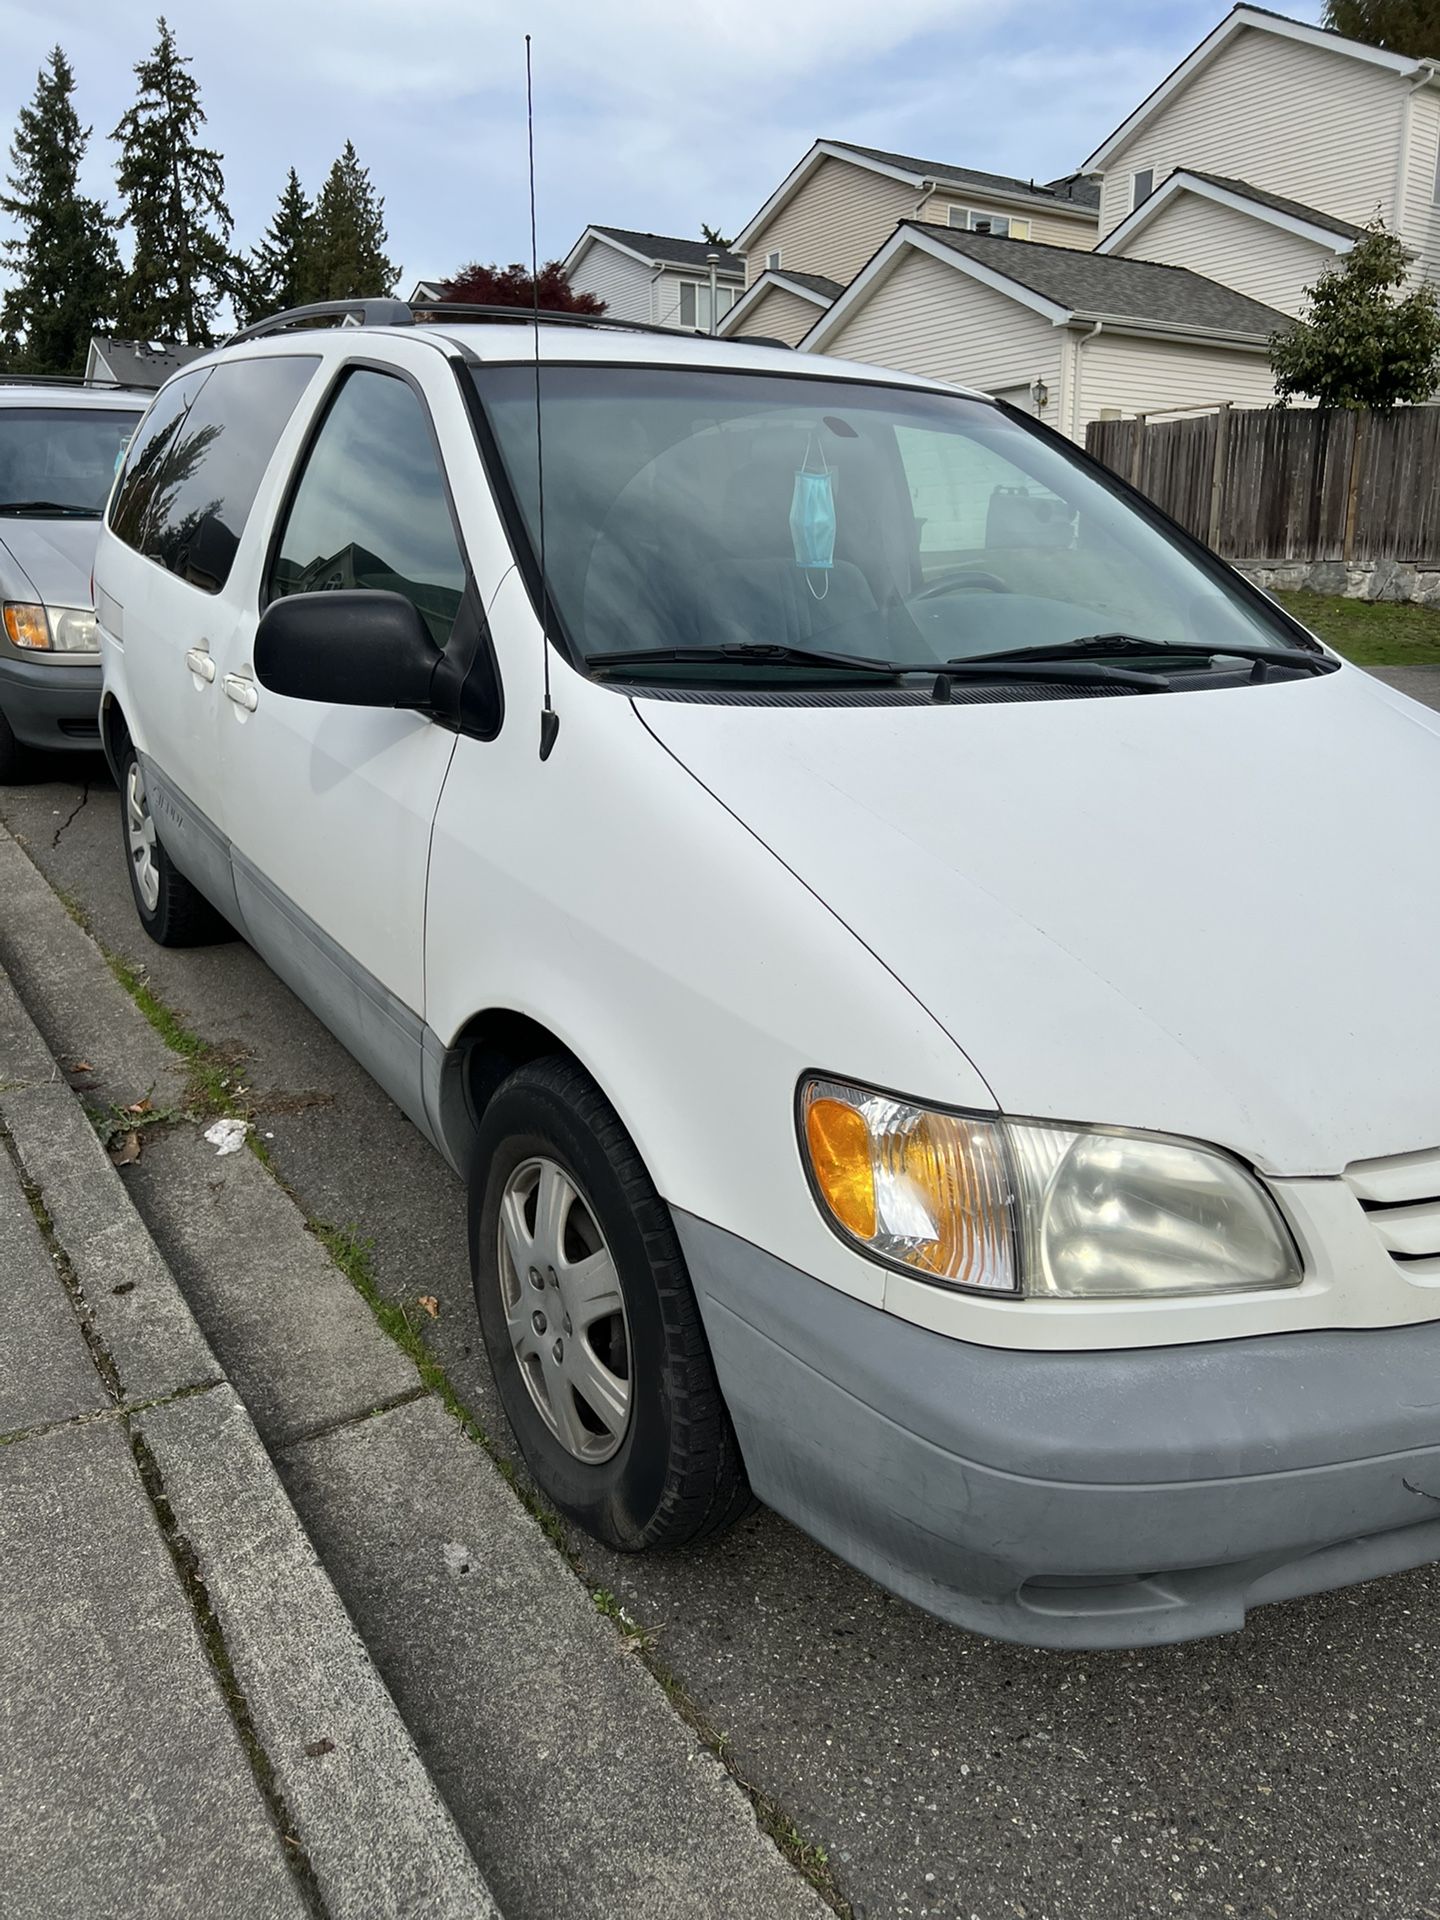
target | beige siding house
[
  {"x": 835, "y": 208},
  {"x": 782, "y": 305},
  {"x": 1261, "y": 244},
  {"x": 657, "y": 279},
  {"x": 1296, "y": 111},
  {"x": 1073, "y": 336}
]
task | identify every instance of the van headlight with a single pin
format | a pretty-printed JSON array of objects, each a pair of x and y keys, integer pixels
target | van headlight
[
  {"x": 1051, "y": 1212},
  {"x": 39, "y": 629}
]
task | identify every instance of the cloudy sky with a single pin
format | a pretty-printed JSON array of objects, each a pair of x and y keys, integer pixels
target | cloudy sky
[{"x": 650, "y": 113}]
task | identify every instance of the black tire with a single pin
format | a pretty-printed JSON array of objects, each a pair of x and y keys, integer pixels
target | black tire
[
  {"x": 181, "y": 915},
  {"x": 677, "y": 1476},
  {"x": 15, "y": 761}
]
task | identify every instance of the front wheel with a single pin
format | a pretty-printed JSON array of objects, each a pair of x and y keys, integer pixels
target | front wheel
[
  {"x": 172, "y": 911},
  {"x": 590, "y": 1322}
]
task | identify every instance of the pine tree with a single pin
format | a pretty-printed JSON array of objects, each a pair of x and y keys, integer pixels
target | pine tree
[
  {"x": 347, "y": 258},
  {"x": 173, "y": 191},
  {"x": 1401, "y": 26},
  {"x": 1363, "y": 342},
  {"x": 275, "y": 274},
  {"x": 65, "y": 267}
]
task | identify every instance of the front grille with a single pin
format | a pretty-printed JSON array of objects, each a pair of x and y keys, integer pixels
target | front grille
[{"x": 1401, "y": 1196}]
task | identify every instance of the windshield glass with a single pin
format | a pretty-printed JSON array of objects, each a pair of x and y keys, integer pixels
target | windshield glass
[
  {"x": 686, "y": 508},
  {"x": 61, "y": 458}
]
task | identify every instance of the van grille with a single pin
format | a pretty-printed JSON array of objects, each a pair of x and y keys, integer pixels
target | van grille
[{"x": 1401, "y": 1195}]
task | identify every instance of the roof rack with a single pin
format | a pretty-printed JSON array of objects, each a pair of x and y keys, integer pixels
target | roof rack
[
  {"x": 70, "y": 380},
  {"x": 407, "y": 313}
]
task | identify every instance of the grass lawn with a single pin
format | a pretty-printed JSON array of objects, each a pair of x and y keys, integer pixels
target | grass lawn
[{"x": 1372, "y": 633}]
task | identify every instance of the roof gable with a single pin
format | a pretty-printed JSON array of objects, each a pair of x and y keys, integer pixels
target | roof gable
[
  {"x": 812, "y": 287},
  {"x": 661, "y": 250},
  {"x": 1068, "y": 283},
  {"x": 1237, "y": 21},
  {"x": 1292, "y": 216}
]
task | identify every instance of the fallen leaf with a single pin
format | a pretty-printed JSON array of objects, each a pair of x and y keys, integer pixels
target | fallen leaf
[
  {"x": 316, "y": 1747},
  {"x": 124, "y": 1153},
  {"x": 138, "y": 1106},
  {"x": 81, "y": 1066},
  {"x": 431, "y": 1305}
]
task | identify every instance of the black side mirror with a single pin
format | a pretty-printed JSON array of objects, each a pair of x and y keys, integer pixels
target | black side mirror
[{"x": 353, "y": 647}]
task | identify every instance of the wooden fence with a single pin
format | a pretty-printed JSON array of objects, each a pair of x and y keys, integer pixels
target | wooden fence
[{"x": 1275, "y": 485}]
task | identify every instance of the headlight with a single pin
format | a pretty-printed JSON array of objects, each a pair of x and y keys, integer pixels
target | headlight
[
  {"x": 1053, "y": 1212},
  {"x": 51, "y": 629}
]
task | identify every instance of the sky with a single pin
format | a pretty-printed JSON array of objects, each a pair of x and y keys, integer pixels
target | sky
[{"x": 655, "y": 114}]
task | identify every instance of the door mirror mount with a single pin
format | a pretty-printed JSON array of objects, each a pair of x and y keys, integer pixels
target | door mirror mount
[{"x": 354, "y": 647}]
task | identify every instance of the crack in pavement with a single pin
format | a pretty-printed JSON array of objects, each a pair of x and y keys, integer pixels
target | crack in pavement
[{"x": 79, "y": 807}]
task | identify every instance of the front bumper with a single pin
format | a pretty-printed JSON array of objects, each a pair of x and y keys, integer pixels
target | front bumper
[
  {"x": 1103, "y": 1499},
  {"x": 50, "y": 705}
]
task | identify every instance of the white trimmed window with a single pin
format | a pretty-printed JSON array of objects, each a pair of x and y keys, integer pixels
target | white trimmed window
[
  {"x": 695, "y": 304},
  {"x": 1004, "y": 226},
  {"x": 1142, "y": 185},
  {"x": 772, "y": 260}
]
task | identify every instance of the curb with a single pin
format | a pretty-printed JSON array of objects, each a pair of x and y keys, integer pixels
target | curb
[{"x": 365, "y": 1813}]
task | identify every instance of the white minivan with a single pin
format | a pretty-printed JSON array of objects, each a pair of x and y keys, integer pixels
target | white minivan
[{"x": 924, "y": 970}]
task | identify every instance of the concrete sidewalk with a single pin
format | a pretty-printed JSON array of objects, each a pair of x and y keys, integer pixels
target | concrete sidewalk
[{"x": 189, "y": 1722}]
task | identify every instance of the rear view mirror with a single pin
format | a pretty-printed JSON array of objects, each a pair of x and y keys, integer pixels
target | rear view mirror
[{"x": 354, "y": 647}]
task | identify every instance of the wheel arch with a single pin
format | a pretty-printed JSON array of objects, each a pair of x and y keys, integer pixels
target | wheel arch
[
  {"x": 483, "y": 1054},
  {"x": 115, "y": 734}
]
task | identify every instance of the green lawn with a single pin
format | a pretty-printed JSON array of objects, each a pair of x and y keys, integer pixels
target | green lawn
[{"x": 1373, "y": 633}]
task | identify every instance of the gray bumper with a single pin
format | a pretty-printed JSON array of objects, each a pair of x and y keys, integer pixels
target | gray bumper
[
  {"x": 1075, "y": 1499},
  {"x": 49, "y": 705}
]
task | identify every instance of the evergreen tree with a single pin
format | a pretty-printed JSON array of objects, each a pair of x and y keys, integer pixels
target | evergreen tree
[
  {"x": 1401, "y": 26},
  {"x": 1362, "y": 341},
  {"x": 715, "y": 237},
  {"x": 346, "y": 259},
  {"x": 275, "y": 275},
  {"x": 173, "y": 192},
  {"x": 64, "y": 264}
]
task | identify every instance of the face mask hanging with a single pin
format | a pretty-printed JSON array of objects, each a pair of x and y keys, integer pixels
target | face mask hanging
[{"x": 812, "y": 522}]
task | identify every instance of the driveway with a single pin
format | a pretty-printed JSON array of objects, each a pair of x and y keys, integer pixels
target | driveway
[{"x": 1288, "y": 1770}]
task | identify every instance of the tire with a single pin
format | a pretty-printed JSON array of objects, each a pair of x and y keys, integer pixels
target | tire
[
  {"x": 172, "y": 911},
  {"x": 15, "y": 761},
  {"x": 673, "y": 1474}
]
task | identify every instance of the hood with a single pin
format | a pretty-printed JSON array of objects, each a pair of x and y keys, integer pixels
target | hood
[
  {"x": 55, "y": 556},
  {"x": 1212, "y": 913}
]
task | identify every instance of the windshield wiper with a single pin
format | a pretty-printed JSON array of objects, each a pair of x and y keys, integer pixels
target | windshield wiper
[
  {"x": 995, "y": 666},
  {"x": 55, "y": 508},
  {"x": 1103, "y": 645}
]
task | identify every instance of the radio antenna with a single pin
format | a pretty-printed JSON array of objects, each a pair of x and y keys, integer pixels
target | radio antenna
[{"x": 549, "y": 719}]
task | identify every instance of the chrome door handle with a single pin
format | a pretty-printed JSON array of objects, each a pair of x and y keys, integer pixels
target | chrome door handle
[
  {"x": 199, "y": 661},
  {"x": 241, "y": 691}
]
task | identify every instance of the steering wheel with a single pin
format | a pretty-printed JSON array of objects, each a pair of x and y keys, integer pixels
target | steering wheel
[{"x": 963, "y": 580}]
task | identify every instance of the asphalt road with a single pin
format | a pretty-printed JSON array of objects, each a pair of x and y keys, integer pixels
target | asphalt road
[{"x": 1285, "y": 1771}]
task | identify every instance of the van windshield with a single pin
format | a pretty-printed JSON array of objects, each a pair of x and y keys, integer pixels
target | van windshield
[
  {"x": 697, "y": 510},
  {"x": 60, "y": 461}
]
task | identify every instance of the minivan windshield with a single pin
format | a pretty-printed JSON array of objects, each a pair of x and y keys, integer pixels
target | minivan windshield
[
  {"x": 60, "y": 461},
  {"x": 698, "y": 511}
]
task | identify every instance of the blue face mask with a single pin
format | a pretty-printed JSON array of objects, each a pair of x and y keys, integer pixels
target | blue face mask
[{"x": 812, "y": 521}]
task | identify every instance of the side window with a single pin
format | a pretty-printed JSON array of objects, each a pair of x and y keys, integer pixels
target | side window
[
  {"x": 146, "y": 456},
  {"x": 370, "y": 508},
  {"x": 187, "y": 492}
]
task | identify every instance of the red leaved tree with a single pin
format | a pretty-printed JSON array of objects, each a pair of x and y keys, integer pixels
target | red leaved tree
[{"x": 513, "y": 286}]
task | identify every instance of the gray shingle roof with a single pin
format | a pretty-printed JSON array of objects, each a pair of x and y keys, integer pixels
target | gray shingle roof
[
  {"x": 672, "y": 248},
  {"x": 1104, "y": 285},
  {"x": 816, "y": 282},
  {"x": 144, "y": 363},
  {"x": 1295, "y": 208},
  {"x": 1073, "y": 191}
]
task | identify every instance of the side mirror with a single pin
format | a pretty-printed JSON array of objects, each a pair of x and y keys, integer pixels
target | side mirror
[{"x": 354, "y": 647}]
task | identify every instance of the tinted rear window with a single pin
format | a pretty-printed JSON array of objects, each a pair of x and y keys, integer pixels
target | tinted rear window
[{"x": 196, "y": 465}]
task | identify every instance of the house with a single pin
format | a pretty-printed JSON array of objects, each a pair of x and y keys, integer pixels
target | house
[
  {"x": 1281, "y": 129},
  {"x": 426, "y": 292},
  {"x": 1069, "y": 335},
  {"x": 833, "y": 209},
  {"x": 656, "y": 278},
  {"x": 782, "y": 304},
  {"x": 134, "y": 363}
]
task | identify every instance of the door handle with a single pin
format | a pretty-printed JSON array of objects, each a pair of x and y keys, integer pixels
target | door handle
[
  {"x": 199, "y": 661},
  {"x": 241, "y": 691}
]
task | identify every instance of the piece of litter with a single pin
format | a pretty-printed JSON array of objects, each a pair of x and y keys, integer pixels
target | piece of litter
[
  {"x": 458, "y": 1558},
  {"x": 227, "y": 1136},
  {"x": 430, "y": 1304}
]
